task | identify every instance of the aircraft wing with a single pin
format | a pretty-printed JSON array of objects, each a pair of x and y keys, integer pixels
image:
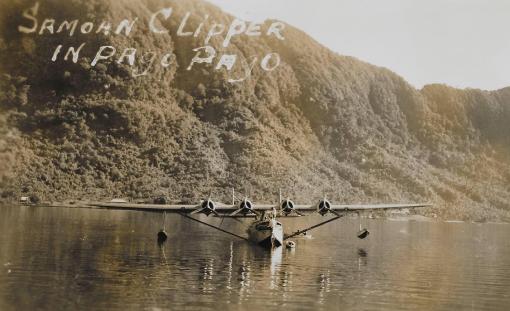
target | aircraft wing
[
  {"x": 363, "y": 207},
  {"x": 175, "y": 208},
  {"x": 225, "y": 208}
]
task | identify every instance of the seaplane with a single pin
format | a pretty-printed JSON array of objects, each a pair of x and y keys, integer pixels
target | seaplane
[{"x": 265, "y": 230}]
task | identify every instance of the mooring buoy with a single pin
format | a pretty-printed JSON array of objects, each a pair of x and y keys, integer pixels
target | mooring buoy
[{"x": 290, "y": 244}]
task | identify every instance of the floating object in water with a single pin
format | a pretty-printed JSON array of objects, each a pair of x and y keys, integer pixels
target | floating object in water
[
  {"x": 266, "y": 230},
  {"x": 290, "y": 244},
  {"x": 363, "y": 233},
  {"x": 162, "y": 236}
]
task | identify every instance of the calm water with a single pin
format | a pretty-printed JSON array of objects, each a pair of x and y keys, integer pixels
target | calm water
[{"x": 71, "y": 259}]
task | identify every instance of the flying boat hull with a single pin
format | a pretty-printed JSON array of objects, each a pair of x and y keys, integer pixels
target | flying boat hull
[{"x": 268, "y": 233}]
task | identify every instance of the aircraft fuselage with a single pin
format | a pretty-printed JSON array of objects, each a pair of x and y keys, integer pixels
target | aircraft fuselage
[{"x": 267, "y": 233}]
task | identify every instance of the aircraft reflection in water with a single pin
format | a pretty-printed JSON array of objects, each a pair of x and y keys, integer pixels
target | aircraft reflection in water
[
  {"x": 240, "y": 268},
  {"x": 246, "y": 270},
  {"x": 266, "y": 230}
]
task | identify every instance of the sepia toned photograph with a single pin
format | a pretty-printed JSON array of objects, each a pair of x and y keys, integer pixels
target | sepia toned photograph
[{"x": 254, "y": 155}]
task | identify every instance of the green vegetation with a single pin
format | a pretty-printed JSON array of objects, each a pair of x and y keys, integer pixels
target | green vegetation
[{"x": 319, "y": 124}]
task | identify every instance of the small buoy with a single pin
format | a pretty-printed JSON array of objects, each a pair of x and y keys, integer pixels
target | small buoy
[
  {"x": 162, "y": 236},
  {"x": 363, "y": 233},
  {"x": 290, "y": 244}
]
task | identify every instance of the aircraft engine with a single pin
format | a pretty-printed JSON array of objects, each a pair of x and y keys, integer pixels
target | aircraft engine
[
  {"x": 246, "y": 207},
  {"x": 287, "y": 207},
  {"x": 208, "y": 206},
  {"x": 323, "y": 207}
]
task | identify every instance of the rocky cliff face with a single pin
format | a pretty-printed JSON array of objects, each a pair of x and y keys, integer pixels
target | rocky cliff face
[{"x": 319, "y": 124}]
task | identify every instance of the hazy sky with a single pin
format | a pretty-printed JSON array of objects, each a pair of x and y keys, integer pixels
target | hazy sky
[{"x": 464, "y": 43}]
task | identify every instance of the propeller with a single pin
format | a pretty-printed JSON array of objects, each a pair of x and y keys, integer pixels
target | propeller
[
  {"x": 245, "y": 208},
  {"x": 207, "y": 207},
  {"x": 324, "y": 207},
  {"x": 287, "y": 207}
]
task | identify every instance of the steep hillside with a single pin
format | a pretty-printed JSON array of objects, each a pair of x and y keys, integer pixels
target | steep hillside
[{"x": 319, "y": 124}]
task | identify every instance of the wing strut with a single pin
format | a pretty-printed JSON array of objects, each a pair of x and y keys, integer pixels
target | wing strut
[
  {"x": 312, "y": 227},
  {"x": 215, "y": 227}
]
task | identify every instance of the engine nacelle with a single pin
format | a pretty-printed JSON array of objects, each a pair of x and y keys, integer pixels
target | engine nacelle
[
  {"x": 246, "y": 206},
  {"x": 208, "y": 206},
  {"x": 323, "y": 207},
  {"x": 287, "y": 207}
]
